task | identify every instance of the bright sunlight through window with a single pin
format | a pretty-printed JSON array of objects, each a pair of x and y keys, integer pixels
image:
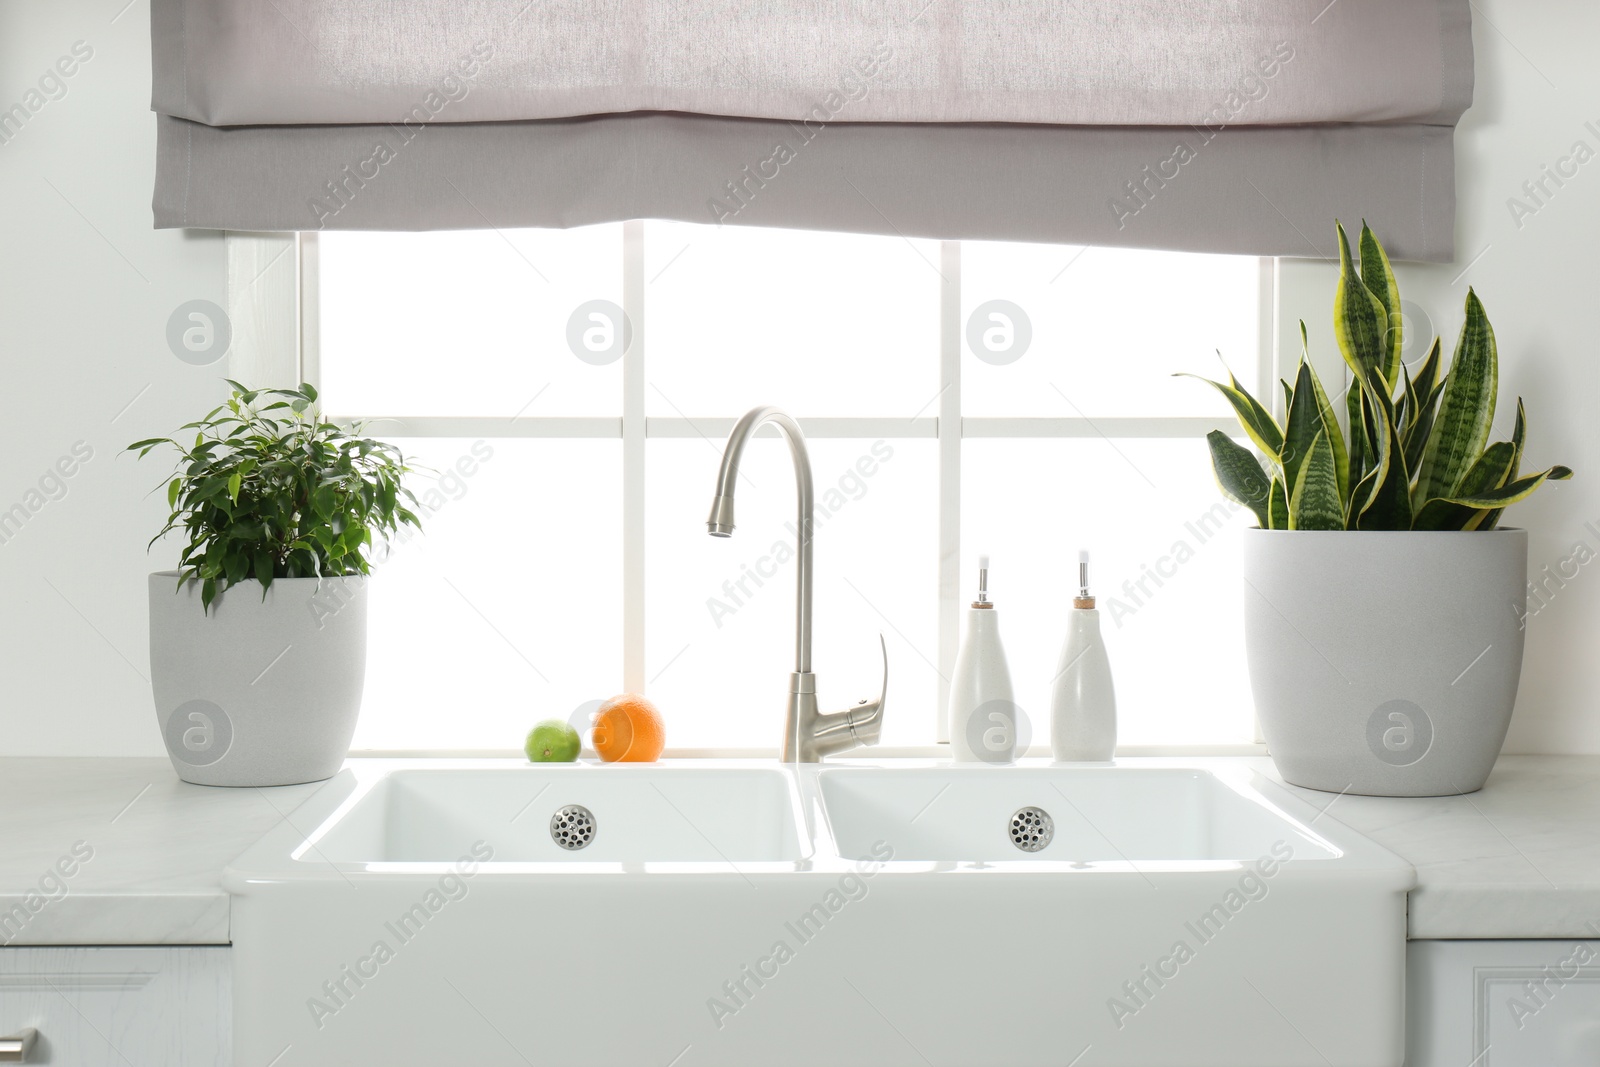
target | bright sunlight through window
[{"x": 570, "y": 391}]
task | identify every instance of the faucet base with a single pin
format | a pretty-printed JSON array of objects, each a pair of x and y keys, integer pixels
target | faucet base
[
  {"x": 800, "y": 719},
  {"x": 809, "y": 734}
]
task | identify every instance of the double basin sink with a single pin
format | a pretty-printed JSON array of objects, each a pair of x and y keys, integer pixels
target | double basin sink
[{"x": 745, "y": 912}]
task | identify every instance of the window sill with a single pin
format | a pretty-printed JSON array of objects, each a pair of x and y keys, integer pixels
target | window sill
[{"x": 880, "y": 752}]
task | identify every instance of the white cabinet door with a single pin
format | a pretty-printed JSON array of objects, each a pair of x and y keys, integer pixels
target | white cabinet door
[
  {"x": 119, "y": 1007},
  {"x": 1504, "y": 1004}
]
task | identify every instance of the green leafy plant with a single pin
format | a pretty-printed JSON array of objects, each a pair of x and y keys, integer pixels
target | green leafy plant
[
  {"x": 1413, "y": 453},
  {"x": 271, "y": 489}
]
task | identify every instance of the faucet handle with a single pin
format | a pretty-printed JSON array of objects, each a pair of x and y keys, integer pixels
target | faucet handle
[
  {"x": 840, "y": 731},
  {"x": 866, "y": 718}
]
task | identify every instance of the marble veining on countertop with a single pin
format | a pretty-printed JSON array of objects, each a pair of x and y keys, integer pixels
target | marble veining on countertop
[{"x": 1520, "y": 859}]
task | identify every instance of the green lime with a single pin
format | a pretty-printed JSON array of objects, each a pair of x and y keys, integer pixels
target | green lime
[{"x": 552, "y": 741}]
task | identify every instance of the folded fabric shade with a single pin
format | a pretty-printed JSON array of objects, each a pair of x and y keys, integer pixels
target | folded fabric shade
[{"x": 1219, "y": 126}]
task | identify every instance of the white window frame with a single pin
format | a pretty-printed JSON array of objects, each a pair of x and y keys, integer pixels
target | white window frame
[{"x": 272, "y": 302}]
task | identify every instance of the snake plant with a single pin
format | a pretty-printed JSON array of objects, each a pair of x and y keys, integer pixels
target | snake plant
[{"x": 1414, "y": 451}]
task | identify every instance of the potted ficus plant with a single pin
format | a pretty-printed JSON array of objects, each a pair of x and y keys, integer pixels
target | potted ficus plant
[
  {"x": 1384, "y": 604},
  {"x": 258, "y": 640}
]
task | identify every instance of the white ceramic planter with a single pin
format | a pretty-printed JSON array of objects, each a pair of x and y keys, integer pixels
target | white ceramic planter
[
  {"x": 1385, "y": 663},
  {"x": 259, "y": 691}
]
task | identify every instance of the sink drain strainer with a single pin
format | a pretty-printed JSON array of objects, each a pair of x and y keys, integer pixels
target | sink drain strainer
[
  {"x": 573, "y": 827},
  {"x": 1031, "y": 829}
]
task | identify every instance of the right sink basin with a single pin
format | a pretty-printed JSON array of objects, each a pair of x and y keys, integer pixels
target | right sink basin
[
  {"x": 1155, "y": 914},
  {"x": 1160, "y": 816}
]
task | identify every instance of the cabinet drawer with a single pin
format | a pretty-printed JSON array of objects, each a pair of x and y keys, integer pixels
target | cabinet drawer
[
  {"x": 116, "y": 1007},
  {"x": 1504, "y": 1003}
]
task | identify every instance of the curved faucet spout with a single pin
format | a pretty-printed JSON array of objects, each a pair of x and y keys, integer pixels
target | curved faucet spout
[
  {"x": 721, "y": 523},
  {"x": 808, "y": 735}
]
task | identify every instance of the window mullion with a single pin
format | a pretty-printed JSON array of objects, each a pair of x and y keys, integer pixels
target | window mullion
[
  {"x": 1269, "y": 365},
  {"x": 633, "y": 460},
  {"x": 310, "y": 324},
  {"x": 949, "y": 476}
]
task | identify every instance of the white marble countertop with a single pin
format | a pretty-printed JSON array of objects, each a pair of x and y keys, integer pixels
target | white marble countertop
[
  {"x": 156, "y": 847},
  {"x": 1520, "y": 859}
]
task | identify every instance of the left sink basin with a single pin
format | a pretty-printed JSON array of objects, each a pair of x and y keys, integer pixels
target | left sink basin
[
  {"x": 623, "y": 814},
  {"x": 421, "y": 914}
]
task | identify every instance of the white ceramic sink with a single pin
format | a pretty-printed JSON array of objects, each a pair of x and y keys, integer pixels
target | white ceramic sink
[{"x": 739, "y": 912}]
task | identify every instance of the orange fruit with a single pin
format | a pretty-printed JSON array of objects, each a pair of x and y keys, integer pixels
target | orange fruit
[{"x": 628, "y": 729}]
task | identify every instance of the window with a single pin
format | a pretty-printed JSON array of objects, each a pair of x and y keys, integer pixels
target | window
[{"x": 571, "y": 392}]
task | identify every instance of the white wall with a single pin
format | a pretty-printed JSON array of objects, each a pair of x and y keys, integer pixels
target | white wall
[{"x": 86, "y": 288}]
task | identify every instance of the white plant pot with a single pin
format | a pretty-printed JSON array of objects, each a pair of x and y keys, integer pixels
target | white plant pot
[
  {"x": 259, "y": 691},
  {"x": 1385, "y": 663}
]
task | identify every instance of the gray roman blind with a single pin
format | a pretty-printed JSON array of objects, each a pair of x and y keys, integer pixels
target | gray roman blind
[{"x": 1218, "y": 125}]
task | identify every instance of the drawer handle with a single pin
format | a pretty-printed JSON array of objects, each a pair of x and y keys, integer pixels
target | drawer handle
[{"x": 16, "y": 1047}]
